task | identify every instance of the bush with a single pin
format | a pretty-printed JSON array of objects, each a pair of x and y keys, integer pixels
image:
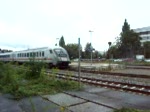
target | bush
[
  {"x": 34, "y": 69},
  {"x": 9, "y": 79},
  {"x": 13, "y": 80},
  {"x": 2, "y": 69}
]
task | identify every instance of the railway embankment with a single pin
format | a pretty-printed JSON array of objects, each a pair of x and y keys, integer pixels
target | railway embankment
[
  {"x": 90, "y": 98},
  {"x": 112, "y": 68}
]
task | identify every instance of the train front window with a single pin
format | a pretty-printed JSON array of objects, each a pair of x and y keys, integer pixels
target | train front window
[
  {"x": 60, "y": 53},
  {"x": 51, "y": 51}
]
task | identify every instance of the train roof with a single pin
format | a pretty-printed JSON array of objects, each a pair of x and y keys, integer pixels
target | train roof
[
  {"x": 33, "y": 49},
  {"x": 6, "y": 53},
  {"x": 41, "y": 48}
]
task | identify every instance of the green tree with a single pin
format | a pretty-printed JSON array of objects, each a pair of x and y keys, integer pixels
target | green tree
[
  {"x": 87, "y": 50},
  {"x": 72, "y": 50},
  {"x": 96, "y": 54},
  {"x": 62, "y": 42},
  {"x": 113, "y": 50},
  {"x": 129, "y": 42},
  {"x": 146, "y": 49}
]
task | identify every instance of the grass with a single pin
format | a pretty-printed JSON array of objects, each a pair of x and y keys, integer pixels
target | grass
[
  {"x": 19, "y": 83},
  {"x": 130, "y": 110}
]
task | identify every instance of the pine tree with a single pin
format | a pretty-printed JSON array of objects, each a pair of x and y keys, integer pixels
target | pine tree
[
  {"x": 62, "y": 42},
  {"x": 129, "y": 41}
]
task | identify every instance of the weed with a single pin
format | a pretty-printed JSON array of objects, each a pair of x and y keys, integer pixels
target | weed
[
  {"x": 32, "y": 104},
  {"x": 130, "y": 110},
  {"x": 15, "y": 81}
]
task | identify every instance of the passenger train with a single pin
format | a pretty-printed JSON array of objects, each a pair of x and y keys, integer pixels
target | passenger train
[{"x": 54, "y": 56}]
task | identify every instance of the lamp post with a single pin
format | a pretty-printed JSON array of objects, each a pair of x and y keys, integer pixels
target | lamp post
[
  {"x": 91, "y": 46},
  {"x": 57, "y": 42},
  {"x": 79, "y": 69},
  {"x": 109, "y": 55},
  {"x": 144, "y": 49}
]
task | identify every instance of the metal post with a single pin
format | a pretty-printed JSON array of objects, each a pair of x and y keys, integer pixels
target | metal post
[
  {"x": 91, "y": 57},
  {"x": 91, "y": 46},
  {"x": 79, "y": 69},
  {"x": 109, "y": 55}
]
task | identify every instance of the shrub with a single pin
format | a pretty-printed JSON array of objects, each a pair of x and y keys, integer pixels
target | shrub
[{"x": 34, "y": 69}]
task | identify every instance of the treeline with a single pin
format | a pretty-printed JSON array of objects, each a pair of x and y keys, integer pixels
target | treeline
[
  {"x": 73, "y": 50},
  {"x": 4, "y": 50},
  {"x": 127, "y": 45}
]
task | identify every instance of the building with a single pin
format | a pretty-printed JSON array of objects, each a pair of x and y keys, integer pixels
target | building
[{"x": 144, "y": 33}]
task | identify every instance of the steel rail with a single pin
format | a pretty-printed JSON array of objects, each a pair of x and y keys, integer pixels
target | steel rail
[{"x": 110, "y": 84}]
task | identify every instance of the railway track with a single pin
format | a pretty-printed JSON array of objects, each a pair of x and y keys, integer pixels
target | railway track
[
  {"x": 138, "y": 67},
  {"x": 136, "y": 88},
  {"x": 110, "y": 73},
  {"x": 118, "y": 85}
]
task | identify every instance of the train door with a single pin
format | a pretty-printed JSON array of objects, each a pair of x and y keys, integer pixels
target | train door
[{"x": 52, "y": 58}]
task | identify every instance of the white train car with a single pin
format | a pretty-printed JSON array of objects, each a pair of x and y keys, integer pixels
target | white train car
[{"x": 56, "y": 56}]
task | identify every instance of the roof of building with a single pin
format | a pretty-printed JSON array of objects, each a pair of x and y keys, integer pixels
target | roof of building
[{"x": 143, "y": 29}]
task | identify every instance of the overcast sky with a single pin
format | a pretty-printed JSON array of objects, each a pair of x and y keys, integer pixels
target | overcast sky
[{"x": 38, "y": 23}]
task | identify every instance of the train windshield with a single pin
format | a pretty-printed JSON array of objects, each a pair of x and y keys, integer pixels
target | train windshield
[{"x": 60, "y": 53}]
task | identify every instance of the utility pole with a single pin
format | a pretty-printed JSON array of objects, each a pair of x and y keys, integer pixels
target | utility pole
[
  {"x": 57, "y": 41},
  {"x": 79, "y": 68},
  {"x": 109, "y": 55},
  {"x": 91, "y": 46}
]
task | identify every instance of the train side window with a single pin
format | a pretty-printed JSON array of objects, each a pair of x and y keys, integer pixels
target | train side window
[
  {"x": 34, "y": 54},
  {"x": 43, "y": 53},
  {"x": 37, "y": 54},
  {"x": 30, "y": 54},
  {"x": 40, "y": 54},
  {"x": 27, "y": 54}
]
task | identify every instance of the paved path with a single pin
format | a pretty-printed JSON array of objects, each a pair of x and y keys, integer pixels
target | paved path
[
  {"x": 8, "y": 105},
  {"x": 81, "y": 101}
]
